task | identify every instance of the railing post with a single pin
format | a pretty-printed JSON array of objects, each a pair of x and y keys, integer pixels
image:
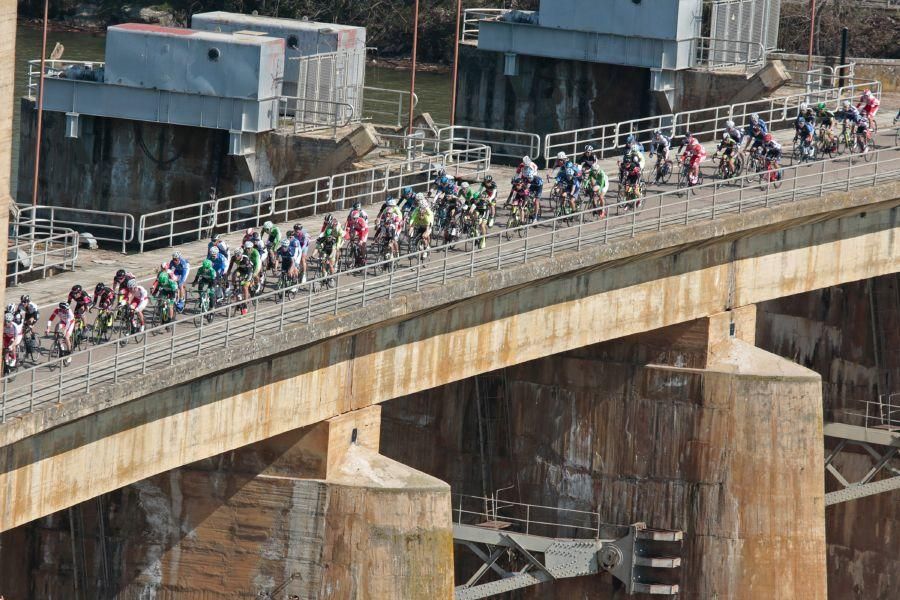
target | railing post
[
  {"x": 580, "y": 225},
  {"x": 87, "y": 383},
  {"x": 116, "y": 361},
  {"x": 606, "y": 228},
  {"x": 255, "y": 318},
  {"x": 172, "y": 345},
  {"x": 228, "y": 320},
  {"x": 446, "y": 258},
  {"x": 472, "y": 260},
  {"x": 309, "y": 288},
  {"x": 849, "y": 167},
  {"x": 391, "y": 282},
  {"x": 634, "y": 219},
  {"x": 200, "y": 333},
  {"x": 337, "y": 291},
  {"x": 553, "y": 237},
  {"x": 62, "y": 367},
  {"x": 715, "y": 197},
  {"x": 527, "y": 229}
]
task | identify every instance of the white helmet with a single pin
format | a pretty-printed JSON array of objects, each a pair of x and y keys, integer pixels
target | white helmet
[
  {"x": 729, "y": 124},
  {"x": 465, "y": 185},
  {"x": 267, "y": 225},
  {"x": 846, "y": 103},
  {"x": 803, "y": 106},
  {"x": 248, "y": 244},
  {"x": 526, "y": 160},
  {"x": 214, "y": 251},
  {"x": 420, "y": 197},
  {"x": 561, "y": 155}
]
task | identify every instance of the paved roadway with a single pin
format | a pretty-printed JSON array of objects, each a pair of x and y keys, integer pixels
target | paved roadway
[{"x": 104, "y": 364}]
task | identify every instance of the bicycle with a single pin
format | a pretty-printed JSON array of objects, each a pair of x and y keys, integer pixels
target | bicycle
[
  {"x": 662, "y": 171},
  {"x": 803, "y": 151},
  {"x": 633, "y": 196},
  {"x": 827, "y": 142},
  {"x": 863, "y": 146},
  {"x": 80, "y": 333},
  {"x": 130, "y": 326},
  {"x": 726, "y": 171},
  {"x": 60, "y": 349},
  {"x": 161, "y": 315},
  {"x": 845, "y": 143},
  {"x": 103, "y": 326},
  {"x": 31, "y": 341},
  {"x": 10, "y": 363},
  {"x": 771, "y": 173},
  {"x": 287, "y": 285},
  {"x": 204, "y": 305},
  {"x": 685, "y": 182}
]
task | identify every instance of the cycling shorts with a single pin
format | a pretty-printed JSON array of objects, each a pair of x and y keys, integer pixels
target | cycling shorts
[
  {"x": 66, "y": 327},
  {"x": 869, "y": 111}
]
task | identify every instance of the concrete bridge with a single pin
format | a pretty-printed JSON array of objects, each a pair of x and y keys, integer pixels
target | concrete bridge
[{"x": 326, "y": 360}]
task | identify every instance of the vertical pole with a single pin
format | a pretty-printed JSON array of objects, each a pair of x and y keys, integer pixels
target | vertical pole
[
  {"x": 812, "y": 32},
  {"x": 453, "y": 90},
  {"x": 412, "y": 79},
  {"x": 40, "y": 115},
  {"x": 845, "y": 34}
]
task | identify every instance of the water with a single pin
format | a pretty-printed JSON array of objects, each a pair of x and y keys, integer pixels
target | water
[{"x": 433, "y": 89}]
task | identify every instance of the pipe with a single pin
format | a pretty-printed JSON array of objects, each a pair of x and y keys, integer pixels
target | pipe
[
  {"x": 40, "y": 115},
  {"x": 812, "y": 32},
  {"x": 455, "y": 65},
  {"x": 845, "y": 39},
  {"x": 412, "y": 79}
]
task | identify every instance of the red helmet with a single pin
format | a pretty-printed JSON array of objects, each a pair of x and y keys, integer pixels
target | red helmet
[{"x": 768, "y": 137}]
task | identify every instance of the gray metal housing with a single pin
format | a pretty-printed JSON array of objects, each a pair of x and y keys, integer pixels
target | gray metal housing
[{"x": 194, "y": 62}]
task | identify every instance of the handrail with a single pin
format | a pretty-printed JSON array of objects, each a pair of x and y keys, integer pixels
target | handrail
[
  {"x": 83, "y": 220},
  {"x": 54, "y": 68},
  {"x": 704, "y": 123},
  {"x": 304, "y": 114},
  {"x": 472, "y": 17},
  {"x": 394, "y": 108},
  {"x": 181, "y": 340},
  {"x": 45, "y": 247},
  {"x": 717, "y": 53},
  {"x": 511, "y": 145}
]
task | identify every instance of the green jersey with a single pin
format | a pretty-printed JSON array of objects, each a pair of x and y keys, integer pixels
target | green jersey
[{"x": 274, "y": 237}]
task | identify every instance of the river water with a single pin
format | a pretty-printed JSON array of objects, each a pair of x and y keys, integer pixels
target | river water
[{"x": 433, "y": 89}]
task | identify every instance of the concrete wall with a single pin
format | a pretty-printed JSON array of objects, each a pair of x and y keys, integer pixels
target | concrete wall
[
  {"x": 885, "y": 70},
  {"x": 128, "y": 166},
  {"x": 65, "y": 454},
  {"x": 7, "y": 88},
  {"x": 657, "y": 427}
]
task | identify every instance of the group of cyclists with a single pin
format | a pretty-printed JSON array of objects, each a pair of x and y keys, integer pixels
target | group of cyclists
[{"x": 451, "y": 207}]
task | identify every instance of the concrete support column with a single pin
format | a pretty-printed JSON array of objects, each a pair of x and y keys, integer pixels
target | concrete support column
[{"x": 7, "y": 86}]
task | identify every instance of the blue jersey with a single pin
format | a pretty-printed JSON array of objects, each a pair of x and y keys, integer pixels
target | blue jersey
[
  {"x": 536, "y": 186},
  {"x": 220, "y": 263},
  {"x": 759, "y": 123},
  {"x": 181, "y": 269},
  {"x": 805, "y": 129}
]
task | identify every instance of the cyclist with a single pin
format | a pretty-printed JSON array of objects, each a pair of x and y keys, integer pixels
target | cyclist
[
  {"x": 804, "y": 134},
  {"x": 598, "y": 183},
  {"x": 806, "y": 113},
  {"x": 446, "y": 187},
  {"x": 205, "y": 279},
  {"x": 234, "y": 264},
  {"x": 274, "y": 239},
  {"x": 826, "y": 120},
  {"x": 248, "y": 236},
  {"x": 729, "y": 149},
  {"x": 80, "y": 300},
  {"x": 561, "y": 163},
  {"x": 12, "y": 335},
  {"x": 288, "y": 258},
  {"x": 660, "y": 145},
  {"x": 489, "y": 192},
  {"x": 168, "y": 288},
  {"x": 407, "y": 200},
  {"x": 357, "y": 233},
  {"x": 631, "y": 170},
  {"x": 587, "y": 158},
  {"x": 734, "y": 131},
  {"x": 219, "y": 261},
  {"x": 300, "y": 248},
  {"x": 772, "y": 150},
  {"x": 65, "y": 326},
  {"x": 868, "y": 105},
  {"x": 217, "y": 241},
  {"x": 356, "y": 211},
  {"x": 137, "y": 298},
  {"x": 120, "y": 283},
  {"x": 180, "y": 268},
  {"x": 252, "y": 252},
  {"x": 569, "y": 186},
  {"x": 439, "y": 174},
  {"x": 632, "y": 145},
  {"x": 480, "y": 211},
  {"x": 244, "y": 275},
  {"x": 755, "y": 121},
  {"x": 28, "y": 310},
  {"x": 863, "y": 133},
  {"x": 391, "y": 223},
  {"x": 695, "y": 153},
  {"x": 526, "y": 164},
  {"x": 328, "y": 246},
  {"x": 104, "y": 296},
  {"x": 421, "y": 221}
]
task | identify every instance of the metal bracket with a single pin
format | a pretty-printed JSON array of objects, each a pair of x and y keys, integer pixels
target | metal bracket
[{"x": 865, "y": 486}]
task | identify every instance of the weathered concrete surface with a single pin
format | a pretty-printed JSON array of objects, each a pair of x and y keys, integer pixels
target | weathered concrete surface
[
  {"x": 885, "y": 70},
  {"x": 269, "y": 386},
  {"x": 831, "y": 332},
  {"x": 308, "y": 512},
  {"x": 7, "y": 88},
  {"x": 720, "y": 449},
  {"x": 134, "y": 167}
]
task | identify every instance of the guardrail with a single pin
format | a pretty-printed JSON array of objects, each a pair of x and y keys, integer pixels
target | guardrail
[
  {"x": 104, "y": 226},
  {"x": 197, "y": 221},
  {"x": 472, "y": 17},
  {"x": 302, "y": 114},
  {"x": 56, "y": 68},
  {"x": 717, "y": 53},
  {"x": 705, "y": 123},
  {"x": 41, "y": 248},
  {"x": 510, "y": 145},
  {"x": 118, "y": 361},
  {"x": 386, "y": 106}
]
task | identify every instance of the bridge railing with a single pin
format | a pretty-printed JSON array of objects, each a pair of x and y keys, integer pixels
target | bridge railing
[
  {"x": 40, "y": 247},
  {"x": 705, "y": 123},
  {"x": 102, "y": 225},
  {"x": 510, "y": 146},
  {"x": 185, "y": 340},
  {"x": 472, "y": 18},
  {"x": 385, "y": 106}
]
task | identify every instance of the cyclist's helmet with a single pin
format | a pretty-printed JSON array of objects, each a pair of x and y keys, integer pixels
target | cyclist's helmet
[
  {"x": 10, "y": 308},
  {"x": 131, "y": 283},
  {"x": 801, "y": 121},
  {"x": 630, "y": 139},
  {"x": 8, "y": 317},
  {"x": 250, "y": 232},
  {"x": 164, "y": 266},
  {"x": 64, "y": 305},
  {"x": 176, "y": 255},
  {"x": 328, "y": 232},
  {"x": 76, "y": 289},
  {"x": 298, "y": 227},
  {"x": 768, "y": 137},
  {"x": 867, "y": 93},
  {"x": 657, "y": 133},
  {"x": 407, "y": 191},
  {"x": 588, "y": 148},
  {"x": 726, "y": 136},
  {"x": 214, "y": 252},
  {"x": 120, "y": 275},
  {"x": 357, "y": 206},
  {"x": 570, "y": 172},
  {"x": 526, "y": 160},
  {"x": 99, "y": 287},
  {"x": 803, "y": 106},
  {"x": 25, "y": 299},
  {"x": 441, "y": 172},
  {"x": 391, "y": 202},
  {"x": 216, "y": 237},
  {"x": 689, "y": 138},
  {"x": 529, "y": 173},
  {"x": 489, "y": 179},
  {"x": 163, "y": 277},
  {"x": 245, "y": 261},
  {"x": 238, "y": 252},
  {"x": 729, "y": 124},
  {"x": 595, "y": 167},
  {"x": 820, "y": 106},
  {"x": 845, "y": 104},
  {"x": 444, "y": 180},
  {"x": 285, "y": 243},
  {"x": 754, "y": 118},
  {"x": 569, "y": 164},
  {"x": 465, "y": 185},
  {"x": 255, "y": 237},
  {"x": 561, "y": 155},
  {"x": 248, "y": 244},
  {"x": 267, "y": 226},
  {"x": 420, "y": 197}
]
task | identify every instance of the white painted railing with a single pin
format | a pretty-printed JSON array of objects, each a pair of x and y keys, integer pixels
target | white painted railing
[
  {"x": 509, "y": 145},
  {"x": 104, "y": 226},
  {"x": 40, "y": 248}
]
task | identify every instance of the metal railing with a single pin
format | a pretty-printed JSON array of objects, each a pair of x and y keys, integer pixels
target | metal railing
[
  {"x": 509, "y": 145},
  {"x": 39, "y": 248},
  {"x": 182, "y": 340},
  {"x": 385, "y": 106},
  {"x": 715, "y": 53},
  {"x": 705, "y": 123},
  {"x": 882, "y": 414},
  {"x": 81, "y": 69},
  {"x": 302, "y": 114},
  {"x": 472, "y": 18},
  {"x": 197, "y": 221},
  {"x": 103, "y": 226}
]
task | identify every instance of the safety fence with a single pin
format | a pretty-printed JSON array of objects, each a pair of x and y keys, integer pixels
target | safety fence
[
  {"x": 714, "y": 53},
  {"x": 40, "y": 248},
  {"x": 103, "y": 226},
  {"x": 705, "y": 123},
  {"x": 301, "y": 115},
  {"x": 197, "y": 221},
  {"x": 384, "y": 106},
  {"x": 509, "y": 146},
  {"x": 472, "y": 18},
  {"x": 186, "y": 340}
]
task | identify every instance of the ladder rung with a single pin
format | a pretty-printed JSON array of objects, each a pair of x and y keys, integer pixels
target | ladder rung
[
  {"x": 660, "y": 535},
  {"x": 659, "y": 562}
]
